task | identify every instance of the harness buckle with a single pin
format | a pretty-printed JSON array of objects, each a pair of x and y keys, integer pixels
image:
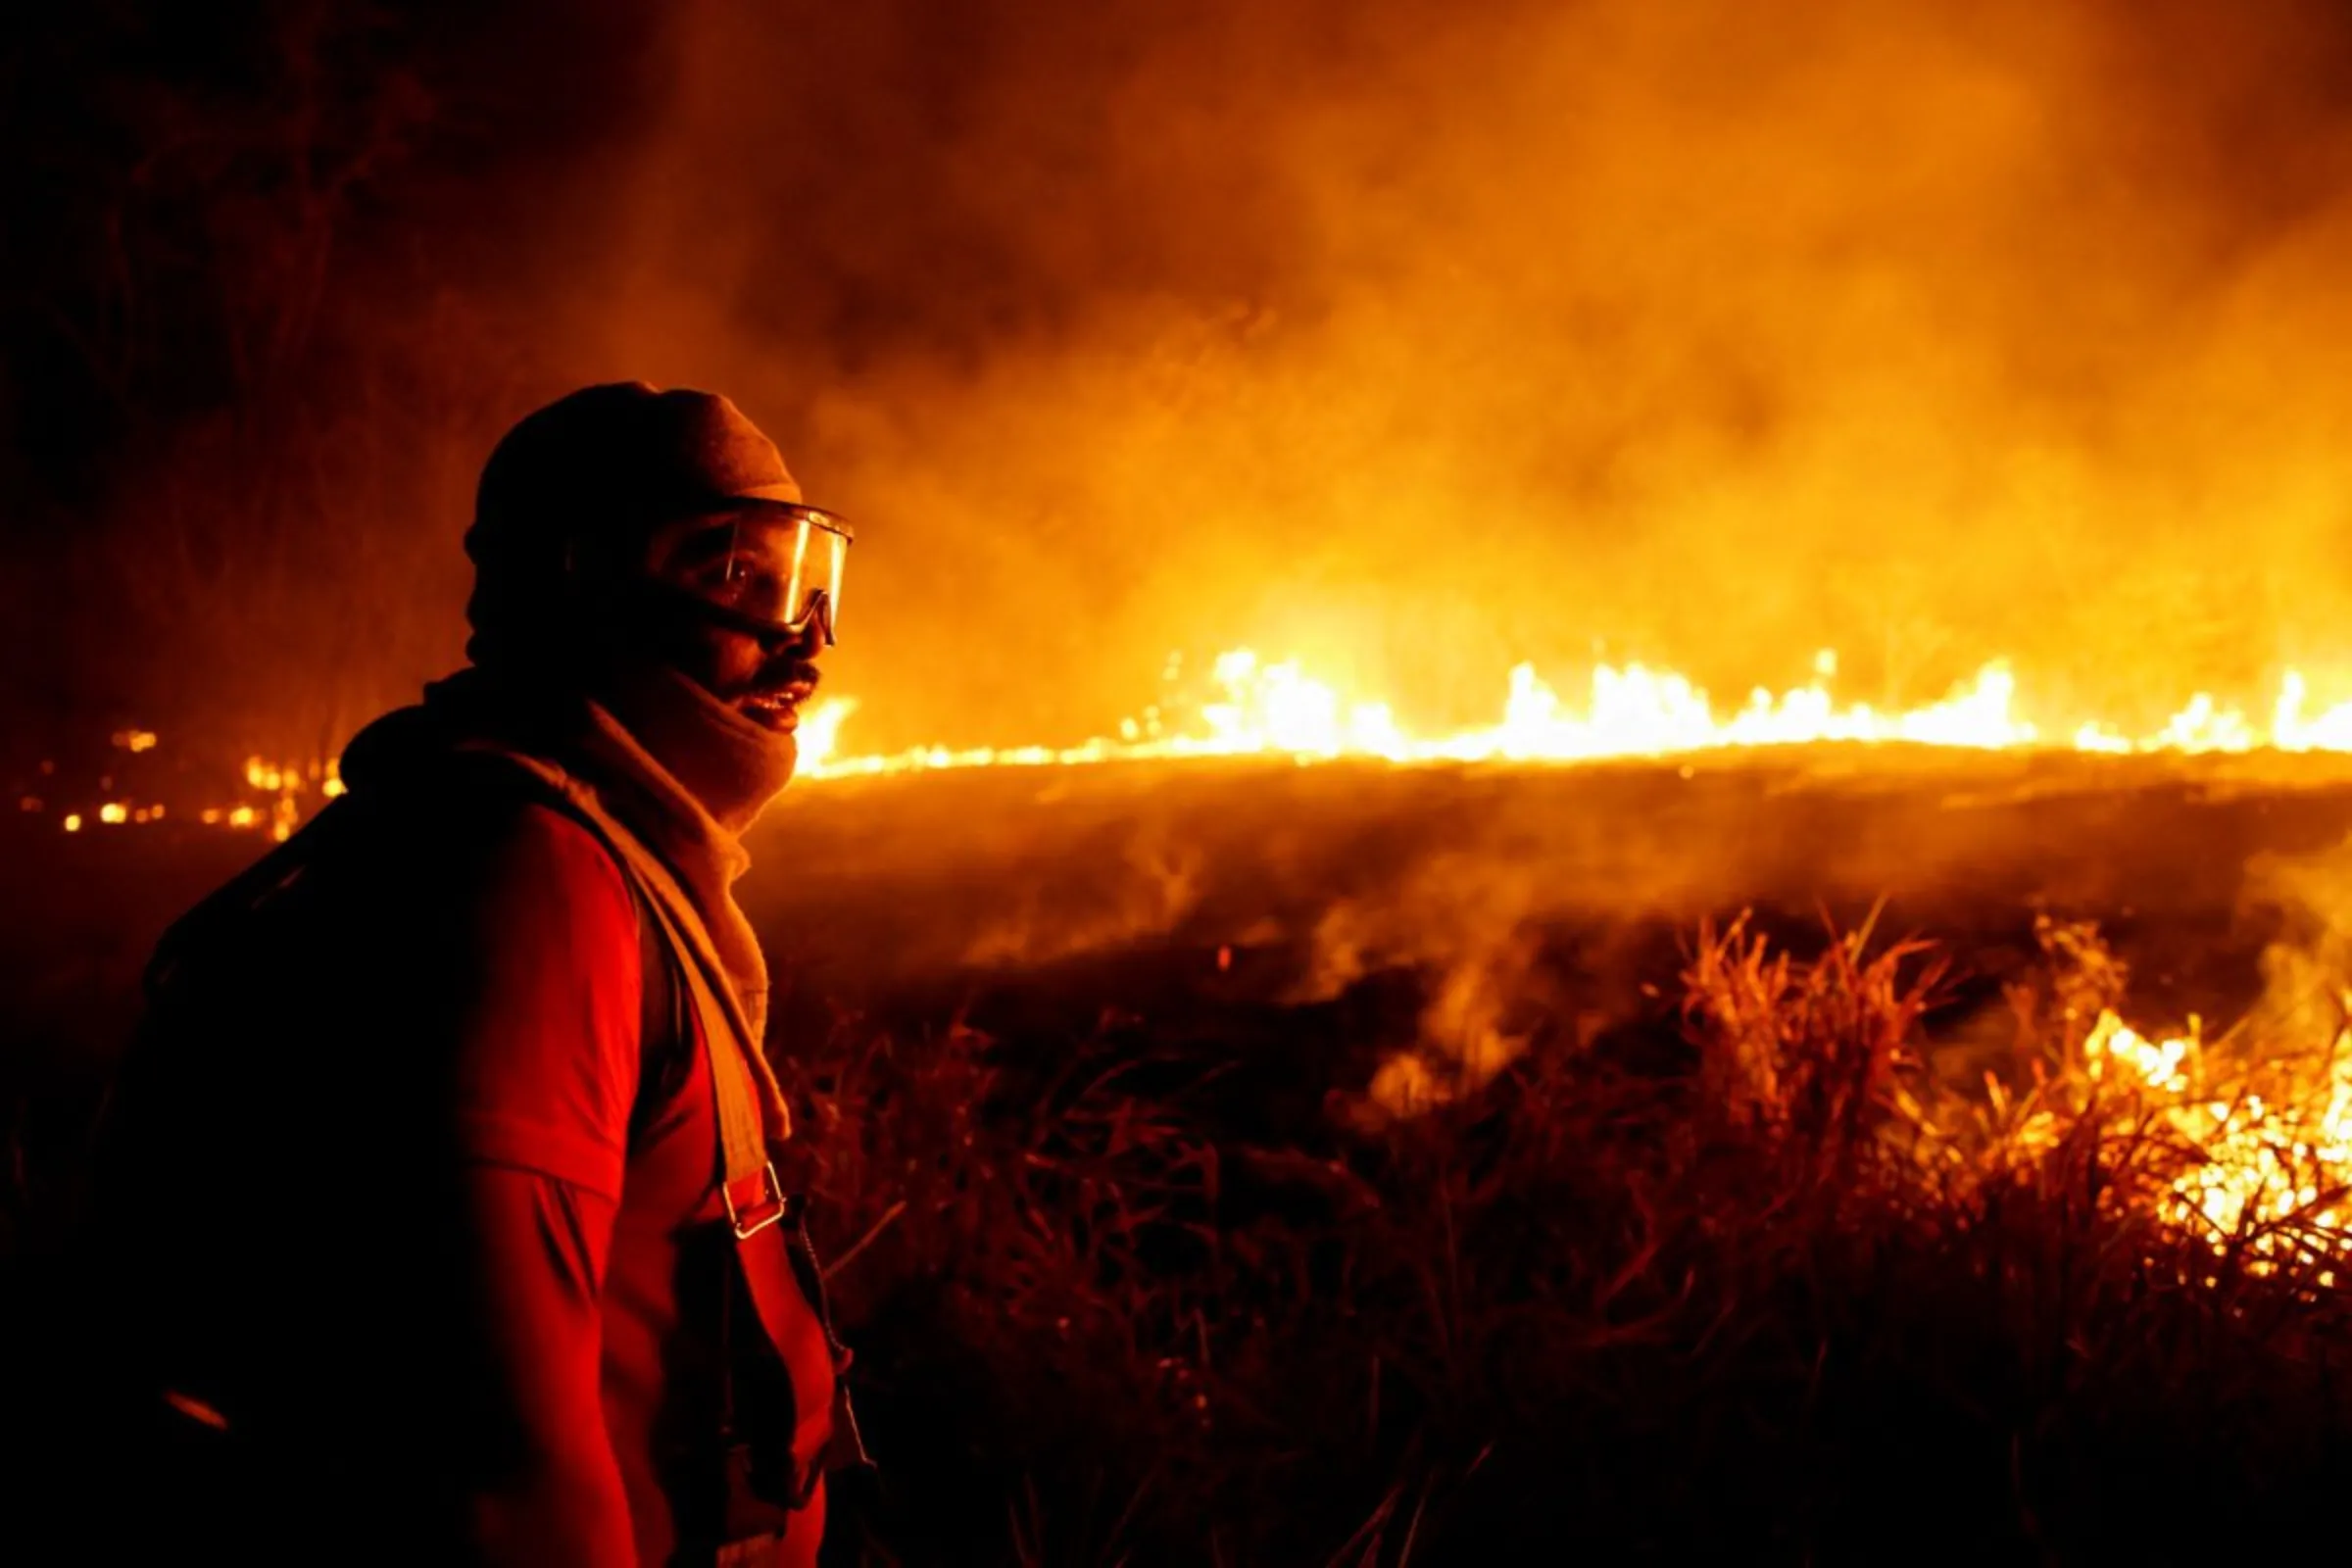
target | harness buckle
[{"x": 769, "y": 1209}]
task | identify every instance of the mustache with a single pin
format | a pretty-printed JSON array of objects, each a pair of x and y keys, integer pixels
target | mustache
[{"x": 775, "y": 680}]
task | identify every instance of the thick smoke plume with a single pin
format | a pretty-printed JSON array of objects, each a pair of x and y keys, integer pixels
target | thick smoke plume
[
  {"x": 1419, "y": 339},
  {"x": 1412, "y": 339}
]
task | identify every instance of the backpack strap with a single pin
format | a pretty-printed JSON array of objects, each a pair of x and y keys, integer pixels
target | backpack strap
[
  {"x": 664, "y": 1030},
  {"x": 741, "y": 1081},
  {"x": 750, "y": 1100}
]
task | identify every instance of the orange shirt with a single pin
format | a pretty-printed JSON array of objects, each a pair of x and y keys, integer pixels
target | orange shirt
[
  {"x": 552, "y": 1079},
  {"x": 442, "y": 1229}
]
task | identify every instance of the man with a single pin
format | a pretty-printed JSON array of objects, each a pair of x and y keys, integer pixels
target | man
[{"x": 438, "y": 1180}]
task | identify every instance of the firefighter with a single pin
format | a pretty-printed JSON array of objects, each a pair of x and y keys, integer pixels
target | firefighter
[{"x": 438, "y": 1183}]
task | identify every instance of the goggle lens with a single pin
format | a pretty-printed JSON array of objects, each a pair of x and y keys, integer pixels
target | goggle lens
[{"x": 779, "y": 568}]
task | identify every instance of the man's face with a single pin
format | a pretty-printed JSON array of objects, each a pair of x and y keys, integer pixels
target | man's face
[
  {"x": 764, "y": 679},
  {"x": 765, "y": 676}
]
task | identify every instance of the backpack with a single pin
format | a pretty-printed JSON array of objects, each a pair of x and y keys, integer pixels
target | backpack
[{"x": 219, "y": 985}]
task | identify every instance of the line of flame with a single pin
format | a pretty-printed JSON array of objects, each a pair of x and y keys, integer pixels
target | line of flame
[
  {"x": 1631, "y": 711},
  {"x": 1264, "y": 708}
]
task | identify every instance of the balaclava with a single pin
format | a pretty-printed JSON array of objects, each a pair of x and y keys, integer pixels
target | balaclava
[{"x": 589, "y": 478}]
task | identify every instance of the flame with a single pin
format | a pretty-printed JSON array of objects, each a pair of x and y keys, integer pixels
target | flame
[
  {"x": 1277, "y": 707},
  {"x": 2270, "y": 1174},
  {"x": 2158, "y": 1061},
  {"x": 817, "y": 737}
]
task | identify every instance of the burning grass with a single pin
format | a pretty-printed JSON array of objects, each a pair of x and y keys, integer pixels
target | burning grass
[
  {"x": 1755, "y": 1277},
  {"x": 1761, "y": 1238}
]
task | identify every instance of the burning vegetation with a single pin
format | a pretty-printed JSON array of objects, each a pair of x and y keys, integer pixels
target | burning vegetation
[
  {"x": 1260, "y": 708},
  {"x": 1410, "y": 1157},
  {"x": 1726, "y": 1268},
  {"x": 1372, "y": 1162},
  {"x": 2245, "y": 1140},
  {"x": 1515, "y": 1128}
]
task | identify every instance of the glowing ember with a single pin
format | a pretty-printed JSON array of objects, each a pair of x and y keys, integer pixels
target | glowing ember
[
  {"x": 2269, "y": 1175},
  {"x": 2157, "y": 1062}
]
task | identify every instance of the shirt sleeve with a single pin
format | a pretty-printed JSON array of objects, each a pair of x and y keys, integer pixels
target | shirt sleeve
[
  {"x": 544, "y": 1483},
  {"x": 546, "y": 1012}
]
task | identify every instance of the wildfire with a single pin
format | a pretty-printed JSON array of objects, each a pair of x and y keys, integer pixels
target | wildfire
[
  {"x": 2260, "y": 1163},
  {"x": 1260, "y": 706},
  {"x": 1279, "y": 709},
  {"x": 2268, "y": 1174},
  {"x": 282, "y": 787}
]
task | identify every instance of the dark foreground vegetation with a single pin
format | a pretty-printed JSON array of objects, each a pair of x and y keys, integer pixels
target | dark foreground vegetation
[
  {"x": 1592, "y": 1305},
  {"x": 1779, "y": 1241}
]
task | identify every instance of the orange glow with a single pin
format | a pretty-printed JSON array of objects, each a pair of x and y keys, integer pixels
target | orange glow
[
  {"x": 2271, "y": 1171},
  {"x": 1278, "y": 708},
  {"x": 2263, "y": 1161}
]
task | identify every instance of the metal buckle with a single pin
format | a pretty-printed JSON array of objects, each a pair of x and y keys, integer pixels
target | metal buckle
[{"x": 758, "y": 1222}]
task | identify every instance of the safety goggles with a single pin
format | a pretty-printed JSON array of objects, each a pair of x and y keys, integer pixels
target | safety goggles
[{"x": 772, "y": 569}]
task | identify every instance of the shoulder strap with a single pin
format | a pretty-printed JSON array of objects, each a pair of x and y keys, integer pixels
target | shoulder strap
[
  {"x": 743, "y": 1084},
  {"x": 749, "y": 1099},
  {"x": 664, "y": 1031}
]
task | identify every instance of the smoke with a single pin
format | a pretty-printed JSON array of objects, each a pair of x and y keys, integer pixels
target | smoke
[
  {"x": 1418, "y": 341},
  {"x": 2306, "y": 999},
  {"x": 1152, "y": 887},
  {"x": 1470, "y": 926},
  {"x": 1413, "y": 340}
]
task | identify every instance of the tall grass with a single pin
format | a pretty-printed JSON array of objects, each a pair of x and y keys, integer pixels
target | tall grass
[{"x": 1760, "y": 1280}]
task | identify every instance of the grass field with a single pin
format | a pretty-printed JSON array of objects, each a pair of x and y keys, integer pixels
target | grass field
[{"x": 1270, "y": 1164}]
